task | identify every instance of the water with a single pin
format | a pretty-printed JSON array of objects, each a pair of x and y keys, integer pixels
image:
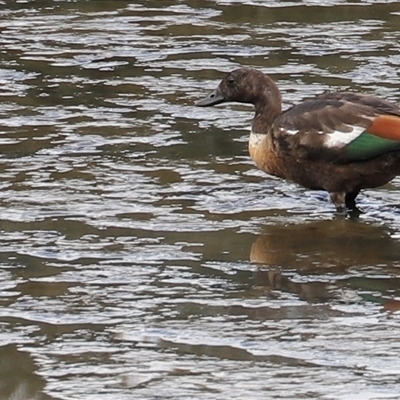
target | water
[{"x": 142, "y": 254}]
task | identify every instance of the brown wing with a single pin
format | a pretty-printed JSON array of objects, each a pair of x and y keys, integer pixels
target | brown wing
[{"x": 322, "y": 128}]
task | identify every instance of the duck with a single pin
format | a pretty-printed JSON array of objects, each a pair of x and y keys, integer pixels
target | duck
[{"x": 338, "y": 142}]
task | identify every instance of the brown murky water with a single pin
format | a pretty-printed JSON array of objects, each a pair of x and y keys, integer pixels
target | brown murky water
[{"x": 142, "y": 254}]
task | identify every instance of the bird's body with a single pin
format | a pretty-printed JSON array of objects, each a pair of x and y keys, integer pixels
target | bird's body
[{"x": 339, "y": 142}]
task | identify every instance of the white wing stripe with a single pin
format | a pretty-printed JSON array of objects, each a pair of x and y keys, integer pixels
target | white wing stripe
[{"x": 340, "y": 139}]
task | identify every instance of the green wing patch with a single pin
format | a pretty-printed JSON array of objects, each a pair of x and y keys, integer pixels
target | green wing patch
[{"x": 368, "y": 146}]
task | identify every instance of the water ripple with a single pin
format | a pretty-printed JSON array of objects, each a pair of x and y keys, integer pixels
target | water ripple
[{"x": 142, "y": 253}]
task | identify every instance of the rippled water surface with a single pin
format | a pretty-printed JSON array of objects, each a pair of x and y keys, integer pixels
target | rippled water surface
[{"x": 142, "y": 254}]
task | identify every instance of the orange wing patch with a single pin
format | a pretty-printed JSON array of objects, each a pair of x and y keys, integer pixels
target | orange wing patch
[{"x": 386, "y": 126}]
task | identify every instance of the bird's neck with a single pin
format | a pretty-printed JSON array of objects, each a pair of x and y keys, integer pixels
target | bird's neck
[{"x": 268, "y": 107}]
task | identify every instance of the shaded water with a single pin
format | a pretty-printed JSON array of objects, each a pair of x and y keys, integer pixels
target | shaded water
[{"x": 142, "y": 254}]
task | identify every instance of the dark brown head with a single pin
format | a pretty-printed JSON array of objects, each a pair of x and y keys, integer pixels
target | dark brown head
[{"x": 245, "y": 85}]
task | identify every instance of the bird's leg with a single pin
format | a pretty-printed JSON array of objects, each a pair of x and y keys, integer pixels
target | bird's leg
[
  {"x": 354, "y": 211},
  {"x": 345, "y": 202},
  {"x": 339, "y": 200},
  {"x": 350, "y": 200}
]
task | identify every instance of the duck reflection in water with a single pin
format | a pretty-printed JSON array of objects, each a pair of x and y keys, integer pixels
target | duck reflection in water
[
  {"x": 334, "y": 251},
  {"x": 18, "y": 376}
]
